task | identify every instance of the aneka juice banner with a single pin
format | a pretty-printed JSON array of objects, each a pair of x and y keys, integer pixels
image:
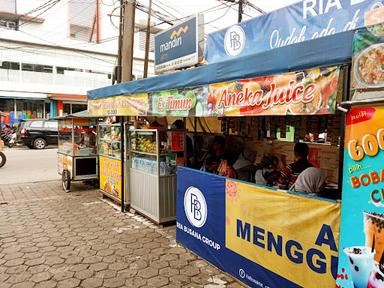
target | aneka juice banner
[
  {"x": 307, "y": 92},
  {"x": 361, "y": 263}
]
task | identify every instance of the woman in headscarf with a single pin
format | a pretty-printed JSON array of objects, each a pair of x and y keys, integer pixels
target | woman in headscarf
[
  {"x": 310, "y": 181},
  {"x": 244, "y": 165}
]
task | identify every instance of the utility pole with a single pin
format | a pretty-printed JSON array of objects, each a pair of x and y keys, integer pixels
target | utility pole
[
  {"x": 147, "y": 40},
  {"x": 127, "y": 41},
  {"x": 240, "y": 12},
  {"x": 97, "y": 21},
  {"x": 118, "y": 71}
]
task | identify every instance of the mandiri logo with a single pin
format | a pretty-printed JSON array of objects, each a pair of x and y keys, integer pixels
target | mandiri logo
[{"x": 195, "y": 207}]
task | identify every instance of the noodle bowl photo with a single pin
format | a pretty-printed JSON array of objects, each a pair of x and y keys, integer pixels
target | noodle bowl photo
[{"x": 369, "y": 67}]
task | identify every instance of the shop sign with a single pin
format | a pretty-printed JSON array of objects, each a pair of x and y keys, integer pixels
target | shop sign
[
  {"x": 179, "y": 46},
  {"x": 362, "y": 216},
  {"x": 308, "y": 92},
  {"x": 179, "y": 102},
  {"x": 302, "y": 21},
  {"x": 368, "y": 63},
  {"x": 110, "y": 176},
  {"x": 132, "y": 105},
  {"x": 252, "y": 233}
]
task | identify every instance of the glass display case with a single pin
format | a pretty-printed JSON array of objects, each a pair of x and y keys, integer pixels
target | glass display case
[
  {"x": 77, "y": 149},
  {"x": 150, "y": 153},
  {"x": 77, "y": 137},
  {"x": 110, "y": 140},
  {"x": 152, "y": 174}
]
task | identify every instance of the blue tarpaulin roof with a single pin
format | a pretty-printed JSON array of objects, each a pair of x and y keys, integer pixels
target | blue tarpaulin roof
[{"x": 330, "y": 50}]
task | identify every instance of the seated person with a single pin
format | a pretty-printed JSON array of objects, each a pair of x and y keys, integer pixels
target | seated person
[
  {"x": 244, "y": 165},
  {"x": 266, "y": 172},
  {"x": 211, "y": 164},
  {"x": 289, "y": 174},
  {"x": 311, "y": 181},
  {"x": 225, "y": 169}
]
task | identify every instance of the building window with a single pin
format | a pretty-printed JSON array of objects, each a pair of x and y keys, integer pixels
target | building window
[
  {"x": 8, "y": 6},
  {"x": 78, "y": 107},
  {"x": 36, "y": 68},
  {"x": 8, "y": 24},
  {"x": 10, "y": 65},
  {"x": 81, "y": 19},
  {"x": 29, "y": 109},
  {"x": 61, "y": 70},
  {"x": 143, "y": 38}
]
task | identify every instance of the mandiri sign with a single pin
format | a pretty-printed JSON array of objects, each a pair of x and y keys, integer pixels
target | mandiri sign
[{"x": 181, "y": 46}]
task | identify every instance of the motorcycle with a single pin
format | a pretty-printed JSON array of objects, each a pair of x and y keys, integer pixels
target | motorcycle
[
  {"x": 8, "y": 135},
  {"x": 3, "y": 159}
]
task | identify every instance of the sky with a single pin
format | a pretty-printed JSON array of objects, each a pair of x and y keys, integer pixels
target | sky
[{"x": 219, "y": 17}]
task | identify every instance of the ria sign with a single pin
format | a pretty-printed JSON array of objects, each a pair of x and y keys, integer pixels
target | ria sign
[{"x": 180, "y": 46}]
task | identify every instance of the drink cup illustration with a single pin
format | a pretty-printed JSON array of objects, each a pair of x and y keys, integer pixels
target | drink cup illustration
[
  {"x": 361, "y": 264},
  {"x": 376, "y": 280},
  {"x": 374, "y": 232}
]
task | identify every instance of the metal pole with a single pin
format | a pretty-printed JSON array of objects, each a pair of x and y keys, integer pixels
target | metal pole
[
  {"x": 128, "y": 40},
  {"x": 240, "y": 12},
  {"x": 121, "y": 27},
  {"x": 97, "y": 21},
  {"x": 345, "y": 97},
  {"x": 147, "y": 40},
  {"x": 122, "y": 136}
]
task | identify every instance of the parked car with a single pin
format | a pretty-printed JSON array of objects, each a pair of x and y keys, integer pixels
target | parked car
[{"x": 38, "y": 133}]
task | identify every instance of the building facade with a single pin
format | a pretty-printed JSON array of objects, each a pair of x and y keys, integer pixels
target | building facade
[{"x": 53, "y": 52}]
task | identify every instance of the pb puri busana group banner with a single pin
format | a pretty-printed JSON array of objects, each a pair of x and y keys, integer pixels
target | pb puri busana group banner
[
  {"x": 361, "y": 257},
  {"x": 302, "y": 21},
  {"x": 307, "y": 92},
  {"x": 263, "y": 237}
]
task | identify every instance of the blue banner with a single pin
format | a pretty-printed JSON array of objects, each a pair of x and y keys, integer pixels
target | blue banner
[
  {"x": 231, "y": 225},
  {"x": 299, "y": 22}
]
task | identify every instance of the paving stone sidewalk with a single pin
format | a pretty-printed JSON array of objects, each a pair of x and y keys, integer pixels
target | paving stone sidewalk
[{"x": 49, "y": 238}]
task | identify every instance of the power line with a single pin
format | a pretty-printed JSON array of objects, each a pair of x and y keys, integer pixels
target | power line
[{"x": 46, "y": 9}]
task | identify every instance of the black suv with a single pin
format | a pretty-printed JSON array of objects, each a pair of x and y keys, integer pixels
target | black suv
[{"x": 38, "y": 133}]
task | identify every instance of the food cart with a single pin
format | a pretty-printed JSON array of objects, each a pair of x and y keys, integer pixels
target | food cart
[
  {"x": 77, "y": 149},
  {"x": 264, "y": 236}
]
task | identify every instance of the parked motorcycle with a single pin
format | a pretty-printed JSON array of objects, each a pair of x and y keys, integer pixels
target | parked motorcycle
[
  {"x": 8, "y": 135},
  {"x": 3, "y": 159}
]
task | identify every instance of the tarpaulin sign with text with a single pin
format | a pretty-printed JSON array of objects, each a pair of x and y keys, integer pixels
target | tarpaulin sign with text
[
  {"x": 302, "y": 21},
  {"x": 362, "y": 216},
  {"x": 179, "y": 102},
  {"x": 128, "y": 105},
  {"x": 263, "y": 237},
  {"x": 110, "y": 176},
  {"x": 308, "y": 92}
]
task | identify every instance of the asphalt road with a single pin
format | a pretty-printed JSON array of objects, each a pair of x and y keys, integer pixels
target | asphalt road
[{"x": 29, "y": 165}]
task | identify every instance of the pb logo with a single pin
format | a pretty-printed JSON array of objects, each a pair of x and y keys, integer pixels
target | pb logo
[
  {"x": 195, "y": 207},
  {"x": 234, "y": 40}
]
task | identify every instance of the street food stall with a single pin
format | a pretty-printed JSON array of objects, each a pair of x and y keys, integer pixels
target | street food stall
[
  {"x": 77, "y": 149},
  {"x": 261, "y": 234}
]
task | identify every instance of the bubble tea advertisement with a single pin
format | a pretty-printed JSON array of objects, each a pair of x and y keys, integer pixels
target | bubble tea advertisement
[{"x": 361, "y": 259}]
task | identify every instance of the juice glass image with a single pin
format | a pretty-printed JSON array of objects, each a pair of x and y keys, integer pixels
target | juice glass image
[
  {"x": 374, "y": 229},
  {"x": 361, "y": 264},
  {"x": 376, "y": 280}
]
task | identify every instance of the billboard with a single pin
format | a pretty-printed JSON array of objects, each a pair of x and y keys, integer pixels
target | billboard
[
  {"x": 302, "y": 21},
  {"x": 180, "y": 46},
  {"x": 361, "y": 256},
  {"x": 263, "y": 237}
]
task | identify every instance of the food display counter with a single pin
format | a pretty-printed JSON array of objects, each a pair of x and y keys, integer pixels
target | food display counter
[
  {"x": 152, "y": 174},
  {"x": 77, "y": 149}
]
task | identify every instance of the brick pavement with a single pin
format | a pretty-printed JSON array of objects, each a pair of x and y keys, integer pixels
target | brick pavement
[{"x": 52, "y": 239}]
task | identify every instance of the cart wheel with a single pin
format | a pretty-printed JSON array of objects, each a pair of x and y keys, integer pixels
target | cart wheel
[
  {"x": 66, "y": 180},
  {"x": 3, "y": 159}
]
